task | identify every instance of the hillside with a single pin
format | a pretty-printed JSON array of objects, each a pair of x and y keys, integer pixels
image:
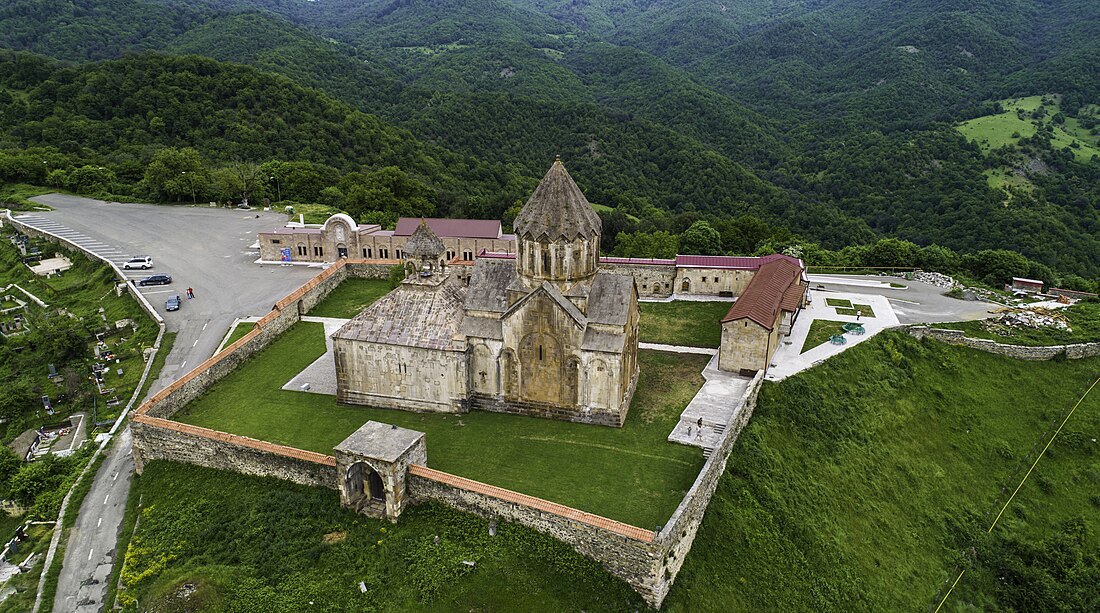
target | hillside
[
  {"x": 860, "y": 484},
  {"x": 835, "y": 121}
]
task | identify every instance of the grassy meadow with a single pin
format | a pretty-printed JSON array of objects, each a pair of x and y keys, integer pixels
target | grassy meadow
[
  {"x": 209, "y": 540},
  {"x": 682, "y": 322},
  {"x": 351, "y": 297},
  {"x": 858, "y": 484},
  {"x": 631, "y": 474}
]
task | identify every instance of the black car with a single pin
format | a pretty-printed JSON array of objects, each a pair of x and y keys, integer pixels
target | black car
[
  {"x": 155, "y": 280},
  {"x": 173, "y": 303}
]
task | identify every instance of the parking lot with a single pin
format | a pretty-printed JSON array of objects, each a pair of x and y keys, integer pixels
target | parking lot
[{"x": 206, "y": 249}]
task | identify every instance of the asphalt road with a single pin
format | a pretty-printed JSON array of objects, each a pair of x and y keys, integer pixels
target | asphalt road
[
  {"x": 916, "y": 303},
  {"x": 202, "y": 248}
]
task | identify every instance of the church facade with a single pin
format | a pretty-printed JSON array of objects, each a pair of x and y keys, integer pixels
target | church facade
[{"x": 545, "y": 332}]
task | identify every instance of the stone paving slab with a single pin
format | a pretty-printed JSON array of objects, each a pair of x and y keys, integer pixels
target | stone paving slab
[
  {"x": 716, "y": 403},
  {"x": 677, "y": 348},
  {"x": 788, "y": 360},
  {"x": 321, "y": 374}
]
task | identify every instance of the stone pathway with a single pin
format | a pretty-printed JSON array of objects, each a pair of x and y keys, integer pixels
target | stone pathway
[
  {"x": 320, "y": 376},
  {"x": 688, "y": 298},
  {"x": 789, "y": 360},
  {"x": 717, "y": 402},
  {"x": 677, "y": 348}
]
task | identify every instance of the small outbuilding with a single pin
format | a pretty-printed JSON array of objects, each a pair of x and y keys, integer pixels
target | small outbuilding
[
  {"x": 765, "y": 312},
  {"x": 1032, "y": 286}
]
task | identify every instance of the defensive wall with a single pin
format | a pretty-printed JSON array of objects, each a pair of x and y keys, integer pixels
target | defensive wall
[
  {"x": 1020, "y": 352},
  {"x": 646, "y": 560}
]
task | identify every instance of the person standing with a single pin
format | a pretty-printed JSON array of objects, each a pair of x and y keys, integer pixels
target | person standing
[{"x": 190, "y": 293}]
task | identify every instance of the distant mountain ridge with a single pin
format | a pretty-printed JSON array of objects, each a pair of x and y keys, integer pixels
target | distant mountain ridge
[{"x": 817, "y": 111}]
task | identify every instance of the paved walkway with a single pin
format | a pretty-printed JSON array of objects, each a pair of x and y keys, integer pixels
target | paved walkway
[
  {"x": 716, "y": 403},
  {"x": 677, "y": 348},
  {"x": 789, "y": 360},
  {"x": 857, "y": 282},
  {"x": 320, "y": 376},
  {"x": 688, "y": 298}
]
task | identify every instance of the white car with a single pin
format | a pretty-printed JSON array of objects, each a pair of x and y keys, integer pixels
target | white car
[{"x": 142, "y": 262}]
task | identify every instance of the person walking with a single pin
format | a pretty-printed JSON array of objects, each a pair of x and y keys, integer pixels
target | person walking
[{"x": 190, "y": 293}]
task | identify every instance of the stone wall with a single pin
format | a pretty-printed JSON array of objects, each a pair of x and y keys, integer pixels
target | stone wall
[
  {"x": 161, "y": 439},
  {"x": 627, "y": 552},
  {"x": 746, "y": 345},
  {"x": 678, "y": 535},
  {"x": 1020, "y": 352},
  {"x": 400, "y": 377},
  {"x": 653, "y": 280}
]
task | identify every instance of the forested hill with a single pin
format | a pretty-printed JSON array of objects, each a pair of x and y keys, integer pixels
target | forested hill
[{"x": 835, "y": 120}]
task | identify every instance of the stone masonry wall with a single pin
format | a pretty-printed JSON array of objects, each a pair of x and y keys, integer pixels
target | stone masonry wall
[
  {"x": 678, "y": 535},
  {"x": 158, "y": 439},
  {"x": 1020, "y": 352},
  {"x": 627, "y": 552},
  {"x": 285, "y": 314},
  {"x": 653, "y": 280}
]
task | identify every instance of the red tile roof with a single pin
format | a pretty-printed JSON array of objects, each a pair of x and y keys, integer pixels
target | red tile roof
[
  {"x": 451, "y": 228},
  {"x": 770, "y": 290},
  {"x": 733, "y": 262}
]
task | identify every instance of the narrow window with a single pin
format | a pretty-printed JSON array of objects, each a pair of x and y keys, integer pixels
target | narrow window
[{"x": 540, "y": 353}]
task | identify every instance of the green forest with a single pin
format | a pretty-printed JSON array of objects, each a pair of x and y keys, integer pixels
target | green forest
[{"x": 796, "y": 125}]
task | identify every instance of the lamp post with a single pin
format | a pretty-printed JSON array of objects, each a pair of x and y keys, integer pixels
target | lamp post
[
  {"x": 278, "y": 189},
  {"x": 190, "y": 182}
]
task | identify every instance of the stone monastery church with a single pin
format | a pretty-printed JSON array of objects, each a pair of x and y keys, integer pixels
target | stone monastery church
[{"x": 545, "y": 332}]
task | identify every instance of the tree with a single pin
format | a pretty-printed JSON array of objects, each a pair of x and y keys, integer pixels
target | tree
[
  {"x": 891, "y": 253},
  {"x": 176, "y": 173},
  {"x": 701, "y": 239},
  {"x": 659, "y": 244}
]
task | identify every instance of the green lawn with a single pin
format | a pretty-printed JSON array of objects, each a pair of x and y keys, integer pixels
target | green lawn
[
  {"x": 258, "y": 544},
  {"x": 689, "y": 323},
  {"x": 242, "y": 328},
  {"x": 856, "y": 486},
  {"x": 631, "y": 474},
  {"x": 839, "y": 302},
  {"x": 820, "y": 331},
  {"x": 351, "y": 297},
  {"x": 1084, "y": 323},
  {"x": 864, "y": 310}
]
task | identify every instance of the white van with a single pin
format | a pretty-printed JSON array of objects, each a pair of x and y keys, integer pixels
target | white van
[{"x": 142, "y": 262}]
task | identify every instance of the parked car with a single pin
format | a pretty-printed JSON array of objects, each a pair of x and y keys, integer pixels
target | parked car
[
  {"x": 142, "y": 262},
  {"x": 155, "y": 280},
  {"x": 173, "y": 303}
]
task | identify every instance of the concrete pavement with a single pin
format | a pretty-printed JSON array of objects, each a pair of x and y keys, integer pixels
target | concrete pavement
[
  {"x": 915, "y": 303},
  {"x": 203, "y": 248}
]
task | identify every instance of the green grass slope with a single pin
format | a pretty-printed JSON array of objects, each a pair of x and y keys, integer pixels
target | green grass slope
[
  {"x": 858, "y": 484},
  {"x": 252, "y": 544}
]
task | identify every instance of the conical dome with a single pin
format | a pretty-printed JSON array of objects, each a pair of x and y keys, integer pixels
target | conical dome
[
  {"x": 558, "y": 210},
  {"x": 423, "y": 243}
]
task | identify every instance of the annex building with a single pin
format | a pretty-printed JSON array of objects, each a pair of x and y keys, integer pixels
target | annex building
[{"x": 546, "y": 333}]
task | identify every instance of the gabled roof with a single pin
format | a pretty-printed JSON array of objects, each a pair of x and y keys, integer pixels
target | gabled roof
[
  {"x": 415, "y": 316},
  {"x": 489, "y": 285},
  {"x": 558, "y": 210},
  {"x": 451, "y": 228},
  {"x": 765, "y": 295},
  {"x": 609, "y": 299},
  {"x": 424, "y": 243},
  {"x": 548, "y": 289}
]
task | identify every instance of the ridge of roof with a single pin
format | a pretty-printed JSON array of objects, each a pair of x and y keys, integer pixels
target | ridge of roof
[
  {"x": 550, "y": 290},
  {"x": 763, "y": 297},
  {"x": 557, "y": 209}
]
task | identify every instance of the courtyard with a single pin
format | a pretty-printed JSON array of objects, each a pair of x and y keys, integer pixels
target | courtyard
[{"x": 630, "y": 474}]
